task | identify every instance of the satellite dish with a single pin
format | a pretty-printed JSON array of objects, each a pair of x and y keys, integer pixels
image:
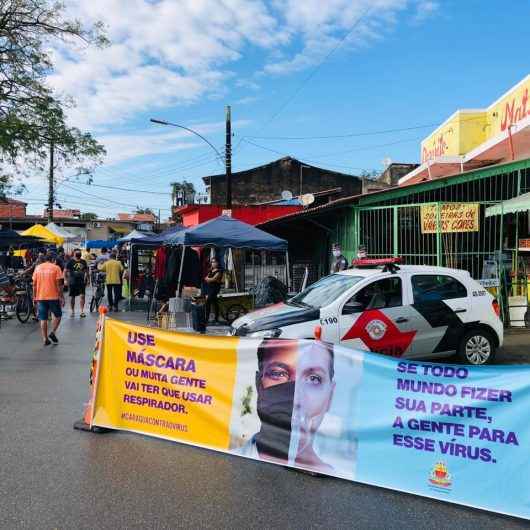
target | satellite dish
[
  {"x": 287, "y": 195},
  {"x": 307, "y": 199}
]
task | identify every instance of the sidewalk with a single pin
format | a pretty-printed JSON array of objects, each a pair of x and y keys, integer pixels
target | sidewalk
[{"x": 516, "y": 348}]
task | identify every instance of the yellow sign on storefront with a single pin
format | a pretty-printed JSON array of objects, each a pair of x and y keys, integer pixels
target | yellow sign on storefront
[
  {"x": 452, "y": 216},
  {"x": 467, "y": 129}
]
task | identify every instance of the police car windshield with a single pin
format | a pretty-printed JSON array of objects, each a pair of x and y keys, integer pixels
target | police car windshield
[{"x": 325, "y": 291}]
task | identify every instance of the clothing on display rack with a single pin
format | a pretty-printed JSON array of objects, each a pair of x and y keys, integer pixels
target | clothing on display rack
[{"x": 161, "y": 255}]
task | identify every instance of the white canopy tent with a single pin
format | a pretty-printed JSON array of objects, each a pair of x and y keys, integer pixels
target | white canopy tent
[
  {"x": 71, "y": 240},
  {"x": 135, "y": 234}
]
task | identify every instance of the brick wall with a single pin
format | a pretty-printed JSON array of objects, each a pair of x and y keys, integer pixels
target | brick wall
[
  {"x": 265, "y": 183},
  {"x": 13, "y": 210}
]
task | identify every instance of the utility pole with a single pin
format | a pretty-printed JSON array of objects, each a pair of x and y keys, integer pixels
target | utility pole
[
  {"x": 228, "y": 158},
  {"x": 50, "y": 186}
]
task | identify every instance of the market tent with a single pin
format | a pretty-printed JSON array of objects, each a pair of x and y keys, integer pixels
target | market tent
[
  {"x": 156, "y": 240},
  {"x": 517, "y": 204},
  {"x": 100, "y": 243},
  {"x": 60, "y": 231},
  {"x": 135, "y": 234},
  {"x": 43, "y": 233},
  {"x": 10, "y": 238},
  {"x": 224, "y": 231}
]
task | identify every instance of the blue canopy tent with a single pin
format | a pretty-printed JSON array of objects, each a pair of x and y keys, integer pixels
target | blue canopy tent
[
  {"x": 156, "y": 240},
  {"x": 227, "y": 232},
  {"x": 148, "y": 243},
  {"x": 224, "y": 231},
  {"x": 100, "y": 243}
]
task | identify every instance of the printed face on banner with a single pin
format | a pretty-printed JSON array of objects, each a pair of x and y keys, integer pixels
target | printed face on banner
[{"x": 295, "y": 387}]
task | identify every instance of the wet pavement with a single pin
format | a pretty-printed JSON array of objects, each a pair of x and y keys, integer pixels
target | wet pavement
[{"x": 52, "y": 476}]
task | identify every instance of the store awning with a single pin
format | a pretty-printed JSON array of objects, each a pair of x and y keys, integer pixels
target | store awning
[{"x": 517, "y": 204}]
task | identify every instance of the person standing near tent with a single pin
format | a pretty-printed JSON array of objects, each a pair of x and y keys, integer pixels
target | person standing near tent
[
  {"x": 103, "y": 257},
  {"x": 113, "y": 270},
  {"x": 77, "y": 277},
  {"x": 214, "y": 280},
  {"x": 48, "y": 293}
]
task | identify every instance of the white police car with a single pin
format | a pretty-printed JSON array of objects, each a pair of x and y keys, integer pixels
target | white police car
[{"x": 408, "y": 311}]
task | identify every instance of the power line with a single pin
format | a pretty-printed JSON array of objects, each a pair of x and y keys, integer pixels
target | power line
[
  {"x": 356, "y": 134},
  {"x": 100, "y": 198},
  {"x": 165, "y": 194},
  {"x": 367, "y": 147},
  {"x": 302, "y": 159},
  {"x": 315, "y": 70}
]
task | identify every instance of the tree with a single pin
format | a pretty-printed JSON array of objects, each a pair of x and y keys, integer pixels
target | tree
[
  {"x": 32, "y": 116},
  {"x": 144, "y": 210},
  {"x": 88, "y": 216},
  {"x": 187, "y": 189}
]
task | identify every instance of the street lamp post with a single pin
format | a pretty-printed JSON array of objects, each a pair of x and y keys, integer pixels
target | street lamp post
[{"x": 227, "y": 159}]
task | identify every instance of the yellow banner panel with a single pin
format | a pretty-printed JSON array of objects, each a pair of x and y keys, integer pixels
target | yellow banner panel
[{"x": 172, "y": 385}]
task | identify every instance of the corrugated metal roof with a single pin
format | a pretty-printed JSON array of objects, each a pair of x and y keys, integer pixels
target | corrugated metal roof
[{"x": 344, "y": 201}]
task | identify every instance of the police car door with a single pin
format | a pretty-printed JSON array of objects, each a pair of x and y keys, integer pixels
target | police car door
[
  {"x": 441, "y": 309},
  {"x": 375, "y": 318}
]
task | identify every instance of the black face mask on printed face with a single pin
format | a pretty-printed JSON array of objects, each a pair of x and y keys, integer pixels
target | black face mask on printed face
[{"x": 275, "y": 410}]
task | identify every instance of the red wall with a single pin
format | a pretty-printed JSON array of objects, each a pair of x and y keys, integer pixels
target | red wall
[
  {"x": 252, "y": 215},
  {"x": 12, "y": 210}
]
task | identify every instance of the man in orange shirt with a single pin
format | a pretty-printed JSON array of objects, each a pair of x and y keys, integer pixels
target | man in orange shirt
[{"x": 48, "y": 293}]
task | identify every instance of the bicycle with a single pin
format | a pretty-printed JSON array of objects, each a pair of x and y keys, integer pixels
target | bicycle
[
  {"x": 24, "y": 306},
  {"x": 99, "y": 292}
]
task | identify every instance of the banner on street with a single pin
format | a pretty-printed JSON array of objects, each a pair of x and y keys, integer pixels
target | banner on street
[{"x": 455, "y": 433}]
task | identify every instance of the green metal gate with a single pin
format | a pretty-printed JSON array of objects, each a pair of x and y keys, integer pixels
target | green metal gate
[
  {"x": 396, "y": 231},
  {"x": 387, "y": 231}
]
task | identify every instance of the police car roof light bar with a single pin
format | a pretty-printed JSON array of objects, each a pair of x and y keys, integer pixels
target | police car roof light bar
[{"x": 388, "y": 264}]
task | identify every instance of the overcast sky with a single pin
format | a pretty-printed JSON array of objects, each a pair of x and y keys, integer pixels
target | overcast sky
[{"x": 364, "y": 69}]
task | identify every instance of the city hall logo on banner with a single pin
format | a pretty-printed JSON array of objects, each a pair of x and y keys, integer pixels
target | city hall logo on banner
[
  {"x": 376, "y": 329},
  {"x": 440, "y": 477}
]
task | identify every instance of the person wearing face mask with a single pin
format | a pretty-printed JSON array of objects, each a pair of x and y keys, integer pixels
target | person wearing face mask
[
  {"x": 213, "y": 281},
  {"x": 339, "y": 262},
  {"x": 295, "y": 389},
  {"x": 77, "y": 278}
]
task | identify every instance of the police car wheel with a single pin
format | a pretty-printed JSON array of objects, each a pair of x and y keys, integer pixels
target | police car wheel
[{"x": 476, "y": 347}]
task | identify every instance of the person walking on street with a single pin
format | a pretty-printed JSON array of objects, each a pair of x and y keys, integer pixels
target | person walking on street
[
  {"x": 213, "y": 280},
  {"x": 77, "y": 277},
  {"x": 48, "y": 293},
  {"x": 113, "y": 270}
]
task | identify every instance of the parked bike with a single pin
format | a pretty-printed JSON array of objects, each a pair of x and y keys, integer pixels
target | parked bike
[
  {"x": 99, "y": 292},
  {"x": 24, "y": 305}
]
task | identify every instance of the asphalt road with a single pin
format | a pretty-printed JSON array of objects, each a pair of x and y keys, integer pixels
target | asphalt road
[{"x": 52, "y": 476}]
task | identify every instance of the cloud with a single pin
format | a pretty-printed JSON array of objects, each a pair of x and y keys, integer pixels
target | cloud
[
  {"x": 425, "y": 10},
  {"x": 321, "y": 27},
  {"x": 247, "y": 100},
  {"x": 156, "y": 141},
  {"x": 168, "y": 53},
  {"x": 163, "y": 53}
]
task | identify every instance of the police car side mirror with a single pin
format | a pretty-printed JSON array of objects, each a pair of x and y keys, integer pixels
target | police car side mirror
[{"x": 352, "y": 308}]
